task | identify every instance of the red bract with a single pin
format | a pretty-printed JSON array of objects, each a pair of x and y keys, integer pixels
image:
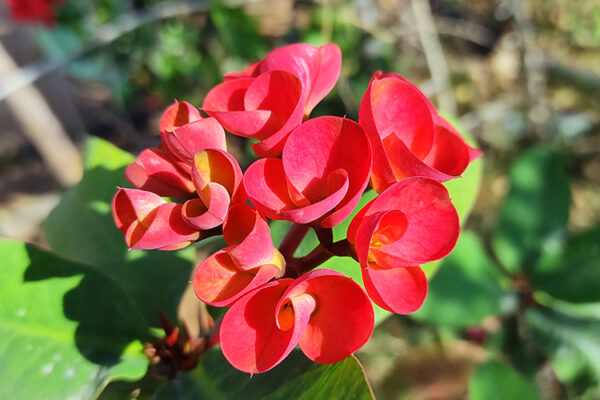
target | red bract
[
  {"x": 33, "y": 10},
  {"x": 266, "y": 108},
  {"x": 327, "y": 313},
  {"x": 410, "y": 223},
  {"x": 149, "y": 222},
  {"x": 318, "y": 69},
  {"x": 154, "y": 171},
  {"x": 218, "y": 181},
  {"x": 408, "y": 137},
  {"x": 323, "y": 171},
  {"x": 249, "y": 260}
]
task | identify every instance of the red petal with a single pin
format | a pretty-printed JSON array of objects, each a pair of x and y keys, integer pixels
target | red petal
[
  {"x": 432, "y": 222},
  {"x": 215, "y": 165},
  {"x": 266, "y": 187},
  {"x": 191, "y": 138},
  {"x": 219, "y": 282},
  {"x": 377, "y": 230},
  {"x": 399, "y": 107},
  {"x": 209, "y": 210},
  {"x": 178, "y": 114},
  {"x": 227, "y": 96},
  {"x": 317, "y": 68},
  {"x": 342, "y": 321},
  {"x": 399, "y": 290},
  {"x": 248, "y": 236},
  {"x": 405, "y": 164},
  {"x": 161, "y": 229},
  {"x": 320, "y": 146},
  {"x": 130, "y": 205},
  {"x": 153, "y": 171},
  {"x": 330, "y": 65},
  {"x": 249, "y": 336}
]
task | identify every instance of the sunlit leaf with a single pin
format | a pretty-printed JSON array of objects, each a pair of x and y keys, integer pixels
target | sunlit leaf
[
  {"x": 295, "y": 378},
  {"x": 66, "y": 329},
  {"x": 81, "y": 228}
]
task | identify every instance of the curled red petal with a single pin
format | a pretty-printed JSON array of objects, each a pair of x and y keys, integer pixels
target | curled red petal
[
  {"x": 184, "y": 142},
  {"x": 432, "y": 222},
  {"x": 219, "y": 282},
  {"x": 227, "y": 96},
  {"x": 405, "y": 164},
  {"x": 216, "y": 165},
  {"x": 318, "y": 68},
  {"x": 377, "y": 230},
  {"x": 399, "y": 107},
  {"x": 178, "y": 114},
  {"x": 248, "y": 236},
  {"x": 249, "y": 336},
  {"x": 161, "y": 229},
  {"x": 266, "y": 187},
  {"x": 342, "y": 320},
  {"x": 209, "y": 210},
  {"x": 154, "y": 171},
  {"x": 130, "y": 205},
  {"x": 321, "y": 146},
  {"x": 400, "y": 290}
]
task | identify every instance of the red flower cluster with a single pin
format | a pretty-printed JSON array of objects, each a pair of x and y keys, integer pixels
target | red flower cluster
[
  {"x": 33, "y": 10},
  {"x": 313, "y": 174}
]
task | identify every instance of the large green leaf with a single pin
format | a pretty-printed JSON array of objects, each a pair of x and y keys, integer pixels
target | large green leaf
[
  {"x": 295, "y": 378},
  {"x": 573, "y": 273},
  {"x": 535, "y": 211},
  {"x": 81, "y": 228},
  {"x": 496, "y": 380},
  {"x": 567, "y": 338},
  {"x": 66, "y": 328},
  {"x": 466, "y": 289}
]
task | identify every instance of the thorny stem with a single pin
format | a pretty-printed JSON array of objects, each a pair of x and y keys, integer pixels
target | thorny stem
[{"x": 292, "y": 240}]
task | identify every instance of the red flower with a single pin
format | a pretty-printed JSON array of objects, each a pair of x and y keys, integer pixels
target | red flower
[
  {"x": 410, "y": 223},
  {"x": 327, "y": 313},
  {"x": 266, "y": 108},
  {"x": 249, "y": 260},
  {"x": 33, "y": 10},
  {"x": 318, "y": 69},
  {"x": 192, "y": 165},
  {"x": 408, "y": 137},
  {"x": 323, "y": 172}
]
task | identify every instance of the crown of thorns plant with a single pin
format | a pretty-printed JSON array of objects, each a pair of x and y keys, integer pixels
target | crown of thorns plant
[{"x": 311, "y": 172}]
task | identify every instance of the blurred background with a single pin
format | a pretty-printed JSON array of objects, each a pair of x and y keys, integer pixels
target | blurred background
[{"x": 517, "y": 304}]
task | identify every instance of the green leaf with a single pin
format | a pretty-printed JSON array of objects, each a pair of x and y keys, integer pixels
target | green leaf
[
  {"x": 497, "y": 380},
  {"x": 81, "y": 229},
  {"x": 535, "y": 211},
  {"x": 295, "y": 378},
  {"x": 466, "y": 289},
  {"x": 559, "y": 334},
  {"x": 573, "y": 273},
  {"x": 67, "y": 330}
]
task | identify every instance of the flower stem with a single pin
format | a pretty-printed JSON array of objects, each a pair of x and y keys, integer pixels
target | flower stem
[
  {"x": 292, "y": 240},
  {"x": 298, "y": 266}
]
